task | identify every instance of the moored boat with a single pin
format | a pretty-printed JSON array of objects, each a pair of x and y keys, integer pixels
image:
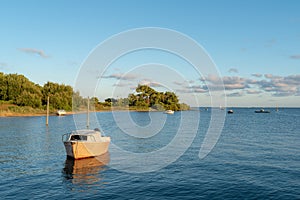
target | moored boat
[
  {"x": 169, "y": 112},
  {"x": 230, "y": 111},
  {"x": 262, "y": 111},
  {"x": 61, "y": 112},
  {"x": 85, "y": 143}
]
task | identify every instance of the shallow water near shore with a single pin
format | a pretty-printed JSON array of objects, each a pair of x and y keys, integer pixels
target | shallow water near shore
[{"x": 256, "y": 157}]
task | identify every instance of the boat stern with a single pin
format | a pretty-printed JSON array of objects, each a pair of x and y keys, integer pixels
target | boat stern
[
  {"x": 69, "y": 149},
  {"x": 84, "y": 144}
]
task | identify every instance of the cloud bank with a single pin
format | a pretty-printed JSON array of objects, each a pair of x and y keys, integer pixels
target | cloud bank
[{"x": 234, "y": 86}]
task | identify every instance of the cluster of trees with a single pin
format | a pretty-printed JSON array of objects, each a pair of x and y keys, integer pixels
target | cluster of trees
[
  {"x": 146, "y": 97},
  {"x": 19, "y": 90}
]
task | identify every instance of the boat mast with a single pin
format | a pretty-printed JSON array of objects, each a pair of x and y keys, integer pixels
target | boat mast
[
  {"x": 47, "y": 116},
  {"x": 88, "y": 114}
]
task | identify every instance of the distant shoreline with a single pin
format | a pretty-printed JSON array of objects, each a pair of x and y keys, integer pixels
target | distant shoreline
[
  {"x": 12, "y": 114},
  {"x": 4, "y": 114}
]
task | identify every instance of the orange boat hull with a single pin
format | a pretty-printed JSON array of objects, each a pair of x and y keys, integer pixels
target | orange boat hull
[{"x": 78, "y": 149}]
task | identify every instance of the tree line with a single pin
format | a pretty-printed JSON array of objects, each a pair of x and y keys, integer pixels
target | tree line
[
  {"x": 19, "y": 90},
  {"x": 146, "y": 97}
]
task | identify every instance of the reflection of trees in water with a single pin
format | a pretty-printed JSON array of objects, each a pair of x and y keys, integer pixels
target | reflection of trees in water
[{"x": 85, "y": 171}]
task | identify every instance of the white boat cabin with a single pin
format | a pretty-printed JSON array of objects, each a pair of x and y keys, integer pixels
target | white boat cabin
[{"x": 84, "y": 136}]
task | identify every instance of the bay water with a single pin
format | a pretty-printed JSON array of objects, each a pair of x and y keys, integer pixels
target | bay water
[{"x": 257, "y": 156}]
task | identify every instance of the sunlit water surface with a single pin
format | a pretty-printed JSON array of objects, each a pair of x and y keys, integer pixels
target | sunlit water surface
[{"x": 257, "y": 157}]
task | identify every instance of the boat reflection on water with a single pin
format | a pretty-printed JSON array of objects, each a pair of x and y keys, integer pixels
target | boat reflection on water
[{"x": 87, "y": 170}]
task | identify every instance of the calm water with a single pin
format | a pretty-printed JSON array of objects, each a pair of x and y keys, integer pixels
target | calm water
[{"x": 256, "y": 157}]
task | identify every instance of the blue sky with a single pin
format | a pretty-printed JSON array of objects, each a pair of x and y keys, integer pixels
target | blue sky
[{"x": 254, "y": 44}]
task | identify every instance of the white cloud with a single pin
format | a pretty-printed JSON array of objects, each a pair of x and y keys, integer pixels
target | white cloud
[
  {"x": 257, "y": 75},
  {"x": 297, "y": 56},
  {"x": 34, "y": 51},
  {"x": 235, "y": 94},
  {"x": 252, "y": 91},
  {"x": 233, "y": 70},
  {"x": 121, "y": 76},
  {"x": 150, "y": 83},
  {"x": 121, "y": 85},
  {"x": 268, "y": 75}
]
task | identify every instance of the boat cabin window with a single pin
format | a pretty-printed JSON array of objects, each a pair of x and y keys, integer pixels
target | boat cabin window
[{"x": 78, "y": 137}]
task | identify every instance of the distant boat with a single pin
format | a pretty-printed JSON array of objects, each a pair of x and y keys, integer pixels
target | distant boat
[
  {"x": 262, "y": 111},
  {"x": 61, "y": 112},
  {"x": 230, "y": 111},
  {"x": 85, "y": 143},
  {"x": 169, "y": 112}
]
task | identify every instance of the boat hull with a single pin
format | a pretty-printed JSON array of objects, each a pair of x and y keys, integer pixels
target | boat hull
[{"x": 79, "y": 149}]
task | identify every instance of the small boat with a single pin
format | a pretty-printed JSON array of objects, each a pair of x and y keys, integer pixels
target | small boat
[
  {"x": 169, "y": 112},
  {"x": 61, "y": 112},
  {"x": 262, "y": 111},
  {"x": 85, "y": 143},
  {"x": 230, "y": 111}
]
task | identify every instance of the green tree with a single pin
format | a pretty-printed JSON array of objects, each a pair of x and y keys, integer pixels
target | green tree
[
  {"x": 147, "y": 97},
  {"x": 29, "y": 99},
  {"x": 3, "y": 87},
  {"x": 132, "y": 99},
  {"x": 60, "y": 95},
  {"x": 19, "y": 90}
]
